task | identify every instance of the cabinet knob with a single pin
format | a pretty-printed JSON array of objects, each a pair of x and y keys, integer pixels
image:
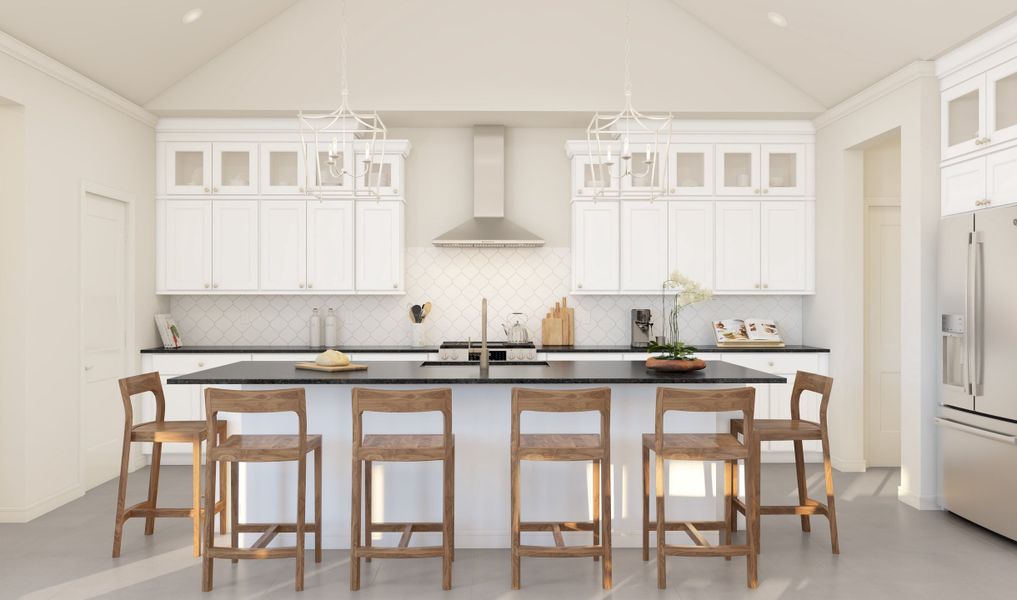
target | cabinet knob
[
  {"x": 300, "y": 189},
  {"x": 395, "y": 286},
  {"x": 757, "y": 286},
  {"x": 215, "y": 285},
  {"x": 206, "y": 286},
  {"x": 215, "y": 189},
  {"x": 310, "y": 285},
  {"x": 770, "y": 363},
  {"x": 766, "y": 285},
  {"x": 206, "y": 189},
  {"x": 301, "y": 285},
  {"x": 201, "y": 363},
  {"x": 766, "y": 190},
  {"x": 756, "y": 190},
  {"x": 395, "y": 190},
  {"x": 579, "y": 285}
]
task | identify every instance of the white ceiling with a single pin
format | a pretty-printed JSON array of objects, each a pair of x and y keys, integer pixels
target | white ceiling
[
  {"x": 136, "y": 48},
  {"x": 833, "y": 49}
]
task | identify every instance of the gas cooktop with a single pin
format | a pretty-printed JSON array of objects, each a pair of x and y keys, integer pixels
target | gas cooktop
[{"x": 496, "y": 351}]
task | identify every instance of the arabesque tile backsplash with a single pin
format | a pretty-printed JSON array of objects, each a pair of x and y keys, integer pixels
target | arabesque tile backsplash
[{"x": 454, "y": 280}]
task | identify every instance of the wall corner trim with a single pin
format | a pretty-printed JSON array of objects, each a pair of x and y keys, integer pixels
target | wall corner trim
[
  {"x": 24, "y": 514},
  {"x": 883, "y": 87},
  {"x": 20, "y": 51},
  {"x": 918, "y": 502}
]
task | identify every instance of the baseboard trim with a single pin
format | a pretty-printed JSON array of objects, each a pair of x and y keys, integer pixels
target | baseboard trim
[
  {"x": 930, "y": 502},
  {"x": 849, "y": 465},
  {"x": 37, "y": 509}
]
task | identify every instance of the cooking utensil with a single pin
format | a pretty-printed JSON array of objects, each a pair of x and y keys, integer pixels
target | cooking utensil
[
  {"x": 413, "y": 318},
  {"x": 417, "y": 311},
  {"x": 426, "y": 310}
]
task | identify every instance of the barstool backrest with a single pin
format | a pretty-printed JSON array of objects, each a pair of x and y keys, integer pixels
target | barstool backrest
[
  {"x": 810, "y": 382},
  {"x": 401, "y": 401},
  {"x": 683, "y": 400},
  {"x": 249, "y": 401},
  {"x": 139, "y": 384},
  {"x": 585, "y": 400}
]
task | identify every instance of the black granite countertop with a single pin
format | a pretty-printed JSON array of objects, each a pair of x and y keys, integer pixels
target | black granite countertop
[
  {"x": 397, "y": 349},
  {"x": 699, "y": 347},
  {"x": 412, "y": 372}
]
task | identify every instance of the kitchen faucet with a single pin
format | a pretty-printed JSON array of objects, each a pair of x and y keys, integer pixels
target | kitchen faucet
[{"x": 484, "y": 358}]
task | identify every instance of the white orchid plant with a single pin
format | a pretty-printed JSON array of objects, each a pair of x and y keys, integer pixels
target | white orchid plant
[{"x": 684, "y": 292}]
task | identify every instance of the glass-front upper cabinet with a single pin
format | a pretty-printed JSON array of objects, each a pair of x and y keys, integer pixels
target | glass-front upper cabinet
[
  {"x": 188, "y": 168},
  {"x": 282, "y": 168},
  {"x": 690, "y": 170},
  {"x": 1001, "y": 103},
  {"x": 737, "y": 170},
  {"x": 782, "y": 169},
  {"x": 644, "y": 171},
  {"x": 592, "y": 175},
  {"x": 329, "y": 183},
  {"x": 963, "y": 117},
  {"x": 235, "y": 168},
  {"x": 378, "y": 173}
]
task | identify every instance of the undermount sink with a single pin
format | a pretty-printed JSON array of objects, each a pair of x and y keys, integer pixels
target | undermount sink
[{"x": 475, "y": 363}]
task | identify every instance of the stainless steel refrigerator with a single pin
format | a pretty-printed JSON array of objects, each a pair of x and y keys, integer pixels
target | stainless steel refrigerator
[{"x": 978, "y": 416}]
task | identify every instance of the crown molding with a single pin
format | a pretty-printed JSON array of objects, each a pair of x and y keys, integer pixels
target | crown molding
[
  {"x": 986, "y": 44},
  {"x": 876, "y": 91},
  {"x": 24, "y": 53}
]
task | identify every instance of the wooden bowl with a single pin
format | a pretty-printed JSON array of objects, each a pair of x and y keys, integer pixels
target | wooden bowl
[{"x": 678, "y": 366}]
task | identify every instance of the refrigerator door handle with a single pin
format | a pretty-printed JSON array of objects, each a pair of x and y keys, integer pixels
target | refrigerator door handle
[
  {"x": 984, "y": 433},
  {"x": 977, "y": 310}
]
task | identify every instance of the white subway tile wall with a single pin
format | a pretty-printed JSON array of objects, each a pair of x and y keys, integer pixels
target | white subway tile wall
[{"x": 454, "y": 280}]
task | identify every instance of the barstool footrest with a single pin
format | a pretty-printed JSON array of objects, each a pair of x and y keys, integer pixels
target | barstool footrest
[
  {"x": 730, "y": 550},
  {"x": 247, "y": 553},
  {"x": 551, "y": 525},
  {"x": 565, "y": 551},
  {"x": 426, "y": 527},
  {"x": 680, "y": 525},
  {"x": 414, "y": 552},
  {"x": 811, "y": 507},
  {"x": 279, "y": 527}
]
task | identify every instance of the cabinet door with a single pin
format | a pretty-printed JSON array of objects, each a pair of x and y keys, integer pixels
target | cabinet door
[
  {"x": 282, "y": 168},
  {"x": 1001, "y": 177},
  {"x": 283, "y": 247},
  {"x": 782, "y": 169},
  {"x": 690, "y": 170},
  {"x": 963, "y": 186},
  {"x": 319, "y": 173},
  {"x": 643, "y": 245},
  {"x": 235, "y": 245},
  {"x": 379, "y": 246},
  {"x": 591, "y": 176},
  {"x": 646, "y": 172},
  {"x": 186, "y": 232},
  {"x": 963, "y": 117},
  {"x": 737, "y": 246},
  {"x": 737, "y": 170},
  {"x": 188, "y": 168},
  {"x": 234, "y": 168},
  {"x": 595, "y": 246},
  {"x": 783, "y": 246},
  {"x": 381, "y": 174},
  {"x": 1001, "y": 102},
  {"x": 330, "y": 245},
  {"x": 690, "y": 240}
]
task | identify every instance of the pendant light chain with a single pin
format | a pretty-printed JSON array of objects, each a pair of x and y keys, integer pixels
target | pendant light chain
[
  {"x": 628, "y": 55},
  {"x": 343, "y": 48}
]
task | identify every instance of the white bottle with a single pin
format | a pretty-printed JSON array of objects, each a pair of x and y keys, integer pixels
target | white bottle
[
  {"x": 315, "y": 326},
  {"x": 331, "y": 329}
]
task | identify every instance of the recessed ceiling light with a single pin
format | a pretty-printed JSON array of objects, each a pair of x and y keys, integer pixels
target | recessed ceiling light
[
  {"x": 192, "y": 15},
  {"x": 777, "y": 19}
]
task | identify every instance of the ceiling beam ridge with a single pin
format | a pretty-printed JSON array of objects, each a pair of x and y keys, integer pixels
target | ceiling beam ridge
[
  {"x": 24, "y": 53},
  {"x": 880, "y": 89}
]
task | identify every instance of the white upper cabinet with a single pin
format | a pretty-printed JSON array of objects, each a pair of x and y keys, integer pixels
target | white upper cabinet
[
  {"x": 379, "y": 173},
  {"x": 595, "y": 248},
  {"x": 591, "y": 176},
  {"x": 690, "y": 170},
  {"x": 690, "y": 240},
  {"x": 782, "y": 169},
  {"x": 282, "y": 168},
  {"x": 188, "y": 168},
  {"x": 185, "y": 245},
  {"x": 963, "y": 186},
  {"x": 737, "y": 247},
  {"x": 379, "y": 246},
  {"x": 737, "y": 170},
  {"x": 234, "y": 168},
  {"x": 1001, "y": 103},
  {"x": 283, "y": 245},
  {"x": 319, "y": 173},
  {"x": 1001, "y": 177},
  {"x": 234, "y": 245},
  {"x": 963, "y": 117},
  {"x": 330, "y": 245},
  {"x": 784, "y": 243},
  {"x": 645, "y": 171},
  {"x": 643, "y": 245}
]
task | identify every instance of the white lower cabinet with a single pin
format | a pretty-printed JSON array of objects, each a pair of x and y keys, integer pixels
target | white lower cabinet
[
  {"x": 379, "y": 245},
  {"x": 330, "y": 261},
  {"x": 595, "y": 248},
  {"x": 737, "y": 265},
  {"x": 283, "y": 245},
  {"x": 184, "y": 236},
  {"x": 235, "y": 245},
  {"x": 643, "y": 245}
]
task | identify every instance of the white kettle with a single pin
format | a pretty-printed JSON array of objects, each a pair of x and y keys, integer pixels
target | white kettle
[{"x": 515, "y": 328}]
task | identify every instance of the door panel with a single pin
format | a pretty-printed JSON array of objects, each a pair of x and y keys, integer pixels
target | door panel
[
  {"x": 235, "y": 245},
  {"x": 1001, "y": 177},
  {"x": 379, "y": 233},
  {"x": 783, "y": 251},
  {"x": 283, "y": 247},
  {"x": 963, "y": 186},
  {"x": 595, "y": 246},
  {"x": 737, "y": 246},
  {"x": 690, "y": 240},
  {"x": 330, "y": 245},
  {"x": 643, "y": 245},
  {"x": 998, "y": 355},
  {"x": 953, "y": 272},
  {"x": 882, "y": 336},
  {"x": 186, "y": 232}
]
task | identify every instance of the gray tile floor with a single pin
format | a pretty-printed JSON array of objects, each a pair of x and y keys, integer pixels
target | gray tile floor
[{"x": 888, "y": 551}]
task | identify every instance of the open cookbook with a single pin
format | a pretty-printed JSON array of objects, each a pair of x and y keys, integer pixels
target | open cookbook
[{"x": 754, "y": 333}]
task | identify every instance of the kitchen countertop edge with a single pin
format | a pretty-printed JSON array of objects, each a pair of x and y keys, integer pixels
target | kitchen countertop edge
[{"x": 790, "y": 348}]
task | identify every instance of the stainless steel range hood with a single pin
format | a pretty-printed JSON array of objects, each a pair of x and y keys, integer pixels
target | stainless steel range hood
[{"x": 488, "y": 228}]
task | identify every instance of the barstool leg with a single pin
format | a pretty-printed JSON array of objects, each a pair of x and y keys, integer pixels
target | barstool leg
[
  {"x": 830, "y": 507},
  {"x": 605, "y": 484},
  {"x": 317, "y": 504},
  {"x": 153, "y": 485},
  {"x": 301, "y": 507},
  {"x": 661, "y": 561},
  {"x": 803, "y": 490},
  {"x": 596, "y": 505},
  {"x": 234, "y": 469},
  {"x": 222, "y": 483},
  {"x": 208, "y": 539},
  {"x": 735, "y": 484},
  {"x": 646, "y": 503},
  {"x": 118, "y": 524},
  {"x": 729, "y": 511},
  {"x": 368, "y": 505},
  {"x": 196, "y": 497},
  {"x": 515, "y": 524},
  {"x": 446, "y": 523},
  {"x": 752, "y": 515},
  {"x": 452, "y": 517},
  {"x": 355, "y": 525}
]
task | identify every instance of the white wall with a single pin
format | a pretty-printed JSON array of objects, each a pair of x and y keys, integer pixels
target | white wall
[
  {"x": 908, "y": 100},
  {"x": 69, "y": 137}
]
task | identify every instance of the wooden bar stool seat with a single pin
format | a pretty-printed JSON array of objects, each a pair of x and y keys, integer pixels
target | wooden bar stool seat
[
  {"x": 371, "y": 448},
  {"x": 798, "y": 430},
  {"x": 159, "y": 432},
  {"x": 260, "y": 449},
  {"x": 701, "y": 447},
  {"x": 564, "y": 447}
]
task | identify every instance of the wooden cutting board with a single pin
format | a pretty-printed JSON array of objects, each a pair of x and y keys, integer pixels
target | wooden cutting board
[{"x": 310, "y": 366}]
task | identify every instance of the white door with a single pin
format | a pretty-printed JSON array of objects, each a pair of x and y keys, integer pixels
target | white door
[
  {"x": 234, "y": 168},
  {"x": 379, "y": 246},
  {"x": 1001, "y": 177},
  {"x": 104, "y": 325},
  {"x": 283, "y": 247},
  {"x": 595, "y": 246},
  {"x": 737, "y": 246},
  {"x": 690, "y": 170},
  {"x": 282, "y": 168},
  {"x": 188, "y": 168},
  {"x": 234, "y": 245},
  {"x": 737, "y": 169},
  {"x": 643, "y": 245},
  {"x": 882, "y": 336},
  {"x": 186, "y": 233},
  {"x": 591, "y": 175},
  {"x": 963, "y": 186},
  {"x": 782, "y": 169},
  {"x": 783, "y": 246},
  {"x": 690, "y": 240},
  {"x": 330, "y": 245},
  {"x": 1001, "y": 102},
  {"x": 962, "y": 118}
]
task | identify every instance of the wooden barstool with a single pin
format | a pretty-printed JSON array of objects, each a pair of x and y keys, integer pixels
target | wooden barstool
[
  {"x": 158, "y": 432},
  {"x": 702, "y": 447},
  {"x": 262, "y": 448},
  {"x": 368, "y": 449},
  {"x": 565, "y": 447},
  {"x": 797, "y": 430}
]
